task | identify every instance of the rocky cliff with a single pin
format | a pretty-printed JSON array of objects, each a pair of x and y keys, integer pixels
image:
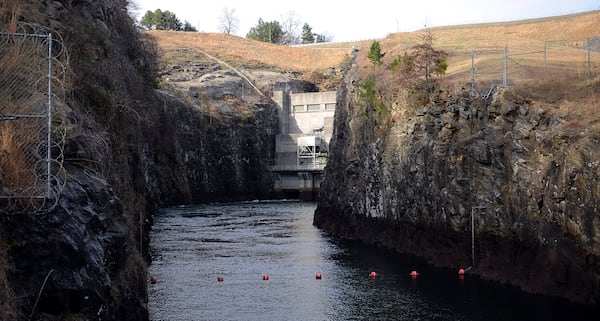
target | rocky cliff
[
  {"x": 129, "y": 149},
  {"x": 528, "y": 175}
]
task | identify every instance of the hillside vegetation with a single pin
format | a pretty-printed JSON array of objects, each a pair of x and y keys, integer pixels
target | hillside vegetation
[
  {"x": 247, "y": 53},
  {"x": 523, "y": 36},
  {"x": 568, "y": 76}
]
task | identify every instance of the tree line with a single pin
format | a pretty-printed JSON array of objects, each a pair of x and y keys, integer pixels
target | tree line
[
  {"x": 164, "y": 20},
  {"x": 286, "y": 32}
]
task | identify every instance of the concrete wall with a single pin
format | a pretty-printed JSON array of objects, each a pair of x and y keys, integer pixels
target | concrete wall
[
  {"x": 312, "y": 111},
  {"x": 304, "y": 114},
  {"x": 313, "y": 98}
]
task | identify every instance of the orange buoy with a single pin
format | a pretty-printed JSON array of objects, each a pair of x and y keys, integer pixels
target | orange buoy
[
  {"x": 220, "y": 278},
  {"x": 461, "y": 271},
  {"x": 414, "y": 274},
  {"x": 265, "y": 277},
  {"x": 318, "y": 276},
  {"x": 373, "y": 274},
  {"x": 153, "y": 279}
]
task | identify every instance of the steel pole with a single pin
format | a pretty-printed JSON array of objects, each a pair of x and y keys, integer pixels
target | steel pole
[
  {"x": 505, "y": 71},
  {"x": 472, "y": 71},
  {"x": 545, "y": 55},
  {"x": 49, "y": 121}
]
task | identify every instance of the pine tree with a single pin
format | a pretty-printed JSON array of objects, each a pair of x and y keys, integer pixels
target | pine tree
[
  {"x": 375, "y": 54},
  {"x": 307, "y": 34}
]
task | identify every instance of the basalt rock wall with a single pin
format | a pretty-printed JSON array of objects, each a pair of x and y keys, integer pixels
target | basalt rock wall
[{"x": 529, "y": 177}]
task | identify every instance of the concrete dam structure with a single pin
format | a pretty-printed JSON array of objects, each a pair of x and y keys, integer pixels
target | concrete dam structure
[{"x": 302, "y": 142}]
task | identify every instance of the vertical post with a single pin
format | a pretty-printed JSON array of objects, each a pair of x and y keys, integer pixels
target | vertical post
[
  {"x": 545, "y": 55},
  {"x": 49, "y": 119},
  {"x": 589, "y": 61},
  {"x": 472, "y": 70},
  {"x": 504, "y": 69}
]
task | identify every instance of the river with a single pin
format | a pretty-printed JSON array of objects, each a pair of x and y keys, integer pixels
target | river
[{"x": 192, "y": 246}]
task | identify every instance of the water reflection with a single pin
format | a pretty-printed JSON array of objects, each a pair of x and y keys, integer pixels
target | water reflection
[{"x": 193, "y": 245}]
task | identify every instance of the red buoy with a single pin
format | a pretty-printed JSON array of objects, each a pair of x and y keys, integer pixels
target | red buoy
[
  {"x": 318, "y": 276},
  {"x": 220, "y": 278},
  {"x": 414, "y": 274},
  {"x": 373, "y": 274},
  {"x": 153, "y": 279},
  {"x": 265, "y": 277},
  {"x": 461, "y": 271}
]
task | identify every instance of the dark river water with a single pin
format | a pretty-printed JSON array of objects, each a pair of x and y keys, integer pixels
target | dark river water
[{"x": 193, "y": 246}]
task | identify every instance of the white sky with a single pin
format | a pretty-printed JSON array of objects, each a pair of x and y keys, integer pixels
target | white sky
[{"x": 358, "y": 20}]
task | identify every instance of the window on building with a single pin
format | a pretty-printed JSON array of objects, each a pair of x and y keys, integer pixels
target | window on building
[
  {"x": 314, "y": 107},
  {"x": 298, "y": 108}
]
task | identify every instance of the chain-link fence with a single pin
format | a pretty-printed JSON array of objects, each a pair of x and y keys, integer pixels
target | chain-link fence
[
  {"x": 557, "y": 59},
  {"x": 31, "y": 153}
]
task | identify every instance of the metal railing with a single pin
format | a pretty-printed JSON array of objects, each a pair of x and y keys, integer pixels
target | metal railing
[{"x": 298, "y": 168}]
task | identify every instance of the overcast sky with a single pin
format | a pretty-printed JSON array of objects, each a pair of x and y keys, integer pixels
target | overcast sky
[{"x": 357, "y": 20}]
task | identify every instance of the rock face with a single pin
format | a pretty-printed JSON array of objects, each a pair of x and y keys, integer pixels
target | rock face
[
  {"x": 202, "y": 157},
  {"x": 529, "y": 178},
  {"x": 81, "y": 247},
  {"x": 130, "y": 150}
]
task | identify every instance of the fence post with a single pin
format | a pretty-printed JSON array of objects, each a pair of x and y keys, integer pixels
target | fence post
[
  {"x": 36, "y": 188},
  {"x": 504, "y": 70},
  {"x": 589, "y": 61},
  {"x": 545, "y": 54},
  {"x": 472, "y": 70},
  {"x": 49, "y": 115}
]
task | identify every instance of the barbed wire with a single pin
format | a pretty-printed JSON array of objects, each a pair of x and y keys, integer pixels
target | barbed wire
[{"x": 32, "y": 132}]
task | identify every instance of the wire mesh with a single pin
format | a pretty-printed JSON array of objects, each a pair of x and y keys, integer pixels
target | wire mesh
[
  {"x": 554, "y": 59},
  {"x": 31, "y": 135},
  {"x": 486, "y": 70}
]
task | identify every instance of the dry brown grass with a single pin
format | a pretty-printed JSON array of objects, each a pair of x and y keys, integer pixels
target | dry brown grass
[
  {"x": 15, "y": 169},
  {"x": 12, "y": 11},
  {"x": 577, "y": 99},
  {"x": 17, "y": 137},
  {"x": 566, "y": 76},
  {"x": 512, "y": 34},
  {"x": 182, "y": 46},
  {"x": 519, "y": 37}
]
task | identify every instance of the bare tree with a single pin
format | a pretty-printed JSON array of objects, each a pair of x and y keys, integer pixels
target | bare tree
[
  {"x": 228, "y": 21},
  {"x": 291, "y": 27}
]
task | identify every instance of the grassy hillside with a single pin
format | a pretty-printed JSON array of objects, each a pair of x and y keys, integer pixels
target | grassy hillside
[
  {"x": 242, "y": 52},
  {"x": 564, "y": 78},
  {"x": 523, "y": 36}
]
